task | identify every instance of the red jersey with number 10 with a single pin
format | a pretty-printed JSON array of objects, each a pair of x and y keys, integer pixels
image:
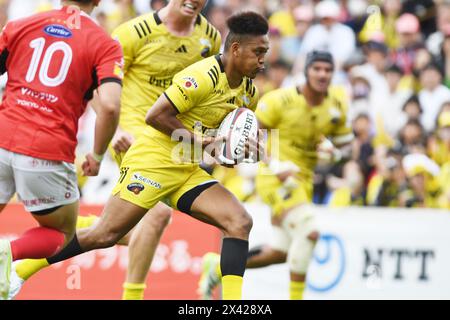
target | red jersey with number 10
[{"x": 54, "y": 60}]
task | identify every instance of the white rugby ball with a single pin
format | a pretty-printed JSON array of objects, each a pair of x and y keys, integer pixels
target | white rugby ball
[{"x": 238, "y": 126}]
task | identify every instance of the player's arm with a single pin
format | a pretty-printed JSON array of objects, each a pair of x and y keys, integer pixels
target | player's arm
[
  {"x": 179, "y": 98},
  {"x": 109, "y": 71},
  {"x": 342, "y": 136}
]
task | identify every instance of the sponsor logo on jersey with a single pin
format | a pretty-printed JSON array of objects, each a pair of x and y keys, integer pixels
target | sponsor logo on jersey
[
  {"x": 181, "y": 49},
  {"x": 190, "y": 83},
  {"x": 160, "y": 82},
  {"x": 138, "y": 177},
  {"x": 182, "y": 92},
  {"x": 136, "y": 188},
  {"x": 118, "y": 68},
  {"x": 246, "y": 99},
  {"x": 58, "y": 31},
  {"x": 335, "y": 114},
  {"x": 206, "y": 51}
]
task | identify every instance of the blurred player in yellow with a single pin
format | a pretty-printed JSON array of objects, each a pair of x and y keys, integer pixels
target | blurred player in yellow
[
  {"x": 303, "y": 116},
  {"x": 159, "y": 167},
  {"x": 156, "y": 46}
]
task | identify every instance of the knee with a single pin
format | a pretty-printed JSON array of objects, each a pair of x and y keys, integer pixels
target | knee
[
  {"x": 240, "y": 224},
  {"x": 161, "y": 217}
]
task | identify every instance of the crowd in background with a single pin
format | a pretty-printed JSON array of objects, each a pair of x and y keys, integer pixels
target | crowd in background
[{"x": 392, "y": 59}]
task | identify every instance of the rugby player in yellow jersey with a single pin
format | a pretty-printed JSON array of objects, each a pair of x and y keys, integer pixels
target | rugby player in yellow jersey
[
  {"x": 156, "y": 46},
  {"x": 156, "y": 168},
  {"x": 303, "y": 115}
]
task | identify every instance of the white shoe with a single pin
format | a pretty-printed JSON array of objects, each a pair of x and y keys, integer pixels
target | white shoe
[
  {"x": 5, "y": 268},
  {"x": 16, "y": 282},
  {"x": 210, "y": 277}
]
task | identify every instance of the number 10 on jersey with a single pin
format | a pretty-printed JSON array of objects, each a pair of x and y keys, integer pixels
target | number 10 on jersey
[{"x": 38, "y": 46}]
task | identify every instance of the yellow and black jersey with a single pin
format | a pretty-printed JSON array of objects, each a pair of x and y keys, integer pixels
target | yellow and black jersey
[
  {"x": 301, "y": 127},
  {"x": 152, "y": 56},
  {"x": 203, "y": 97}
]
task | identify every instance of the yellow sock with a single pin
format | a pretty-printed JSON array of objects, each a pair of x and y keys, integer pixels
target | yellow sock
[
  {"x": 296, "y": 289},
  {"x": 218, "y": 271},
  {"x": 232, "y": 287},
  {"x": 26, "y": 268},
  {"x": 133, "y": 291},
  {"x": 86, "y": 221}
]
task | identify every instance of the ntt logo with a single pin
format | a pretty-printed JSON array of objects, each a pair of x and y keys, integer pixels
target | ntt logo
[{"x": 58, "y": 31}]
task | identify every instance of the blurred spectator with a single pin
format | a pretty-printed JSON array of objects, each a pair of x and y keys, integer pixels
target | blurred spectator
[
  {"x": 348, "y": 190},
  {"x": 408, "y": 28},
  {"x": 433, "y": 95},
  {"x": 218, "y": 17},
  {"x": 425, "y": 11},
  {"x": 277, "y": 73},
  {"x": 283, "y": 20},
  {"x": 362, "y": 149},
  {"x": 397, "y": 96},
  {"x": 411, "y": 110},
  {"x": 439, "y": 144},
  {"x": 443, "y": 56},
  {"x": 290, "y": 45},
  {"x": 328, "y": 35},
  {"x": 357, "y": 14},
  {"x": 410, "y": 137},
  {"x": 360, "y": 92},
  {"x": 434, "y": 41},
  {"x": 389, "y": 181},
  {"x": 380, "y": 25},
  {"x": 422, "y": 173}
]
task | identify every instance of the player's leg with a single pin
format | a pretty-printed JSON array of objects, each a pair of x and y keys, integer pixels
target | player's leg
[
  {"x": 7, "y": 183},
  {"x": 210, "y": 202},
  {"x": 300, "y": 224},
  {"x": 143, "y": 243},
  {"x": 257, "y": 257},
  {"x": 48, "y": 190},
  {"x": 132, "y": 197}
]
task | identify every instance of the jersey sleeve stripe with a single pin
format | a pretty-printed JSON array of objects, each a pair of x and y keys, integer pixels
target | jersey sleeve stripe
[
  {"x": 137, "y": 30},
  {"x": 212, "y": 78},
  {"x": 215, "y": 35},
  {"x": 148, "y": 27},
  {"x": 110, "y": 79},
  {"x": 253, "y": 91},
  {"x": 198, "y": 20},
  {"x": 142, "y": 28},
  {"x": 216, "y": 72},
  {"x": 171, "y": 102}
]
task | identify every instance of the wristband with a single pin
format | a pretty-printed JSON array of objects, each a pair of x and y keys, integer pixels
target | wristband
[{"x": 97, "y": 157}]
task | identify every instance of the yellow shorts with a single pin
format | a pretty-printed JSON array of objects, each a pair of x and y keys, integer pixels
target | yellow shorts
[
  {"x": 148, "y": 175},
  {"x": 117, "y": 157},
  {"x": 277, "y": 195}
]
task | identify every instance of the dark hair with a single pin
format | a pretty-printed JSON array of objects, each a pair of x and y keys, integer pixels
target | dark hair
[
  {"x": 394, "y": 68},
  {"x": 413, "y": 99},
  {"x": 244, "y": 24},
  {"x": 432, "y": 66},
  {"x": 83, "y": 1}
]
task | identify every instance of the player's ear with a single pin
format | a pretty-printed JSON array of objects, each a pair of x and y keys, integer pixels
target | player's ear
[{"x": 235, "y": 48}]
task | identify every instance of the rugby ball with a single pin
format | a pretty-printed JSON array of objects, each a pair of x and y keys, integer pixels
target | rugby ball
[{"x": 238, "y": 126}]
